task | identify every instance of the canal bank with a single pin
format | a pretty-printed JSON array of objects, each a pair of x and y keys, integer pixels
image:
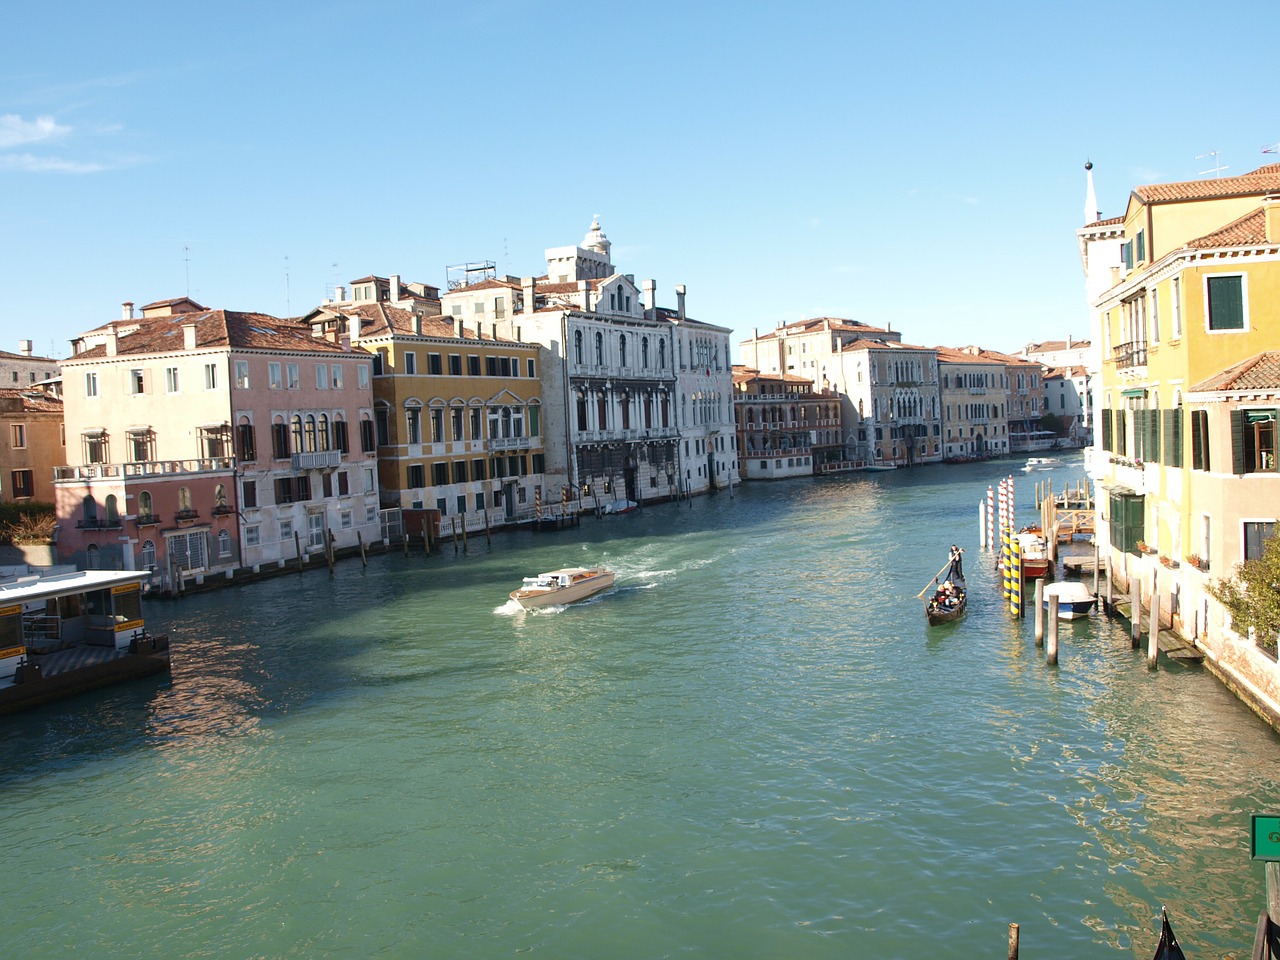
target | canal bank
[{"x": 752, "y": 746}]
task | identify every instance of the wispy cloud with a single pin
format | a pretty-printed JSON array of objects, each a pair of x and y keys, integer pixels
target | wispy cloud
[
  {"x": 30, "y": 163},
  {"x": 14, "y": 131}
]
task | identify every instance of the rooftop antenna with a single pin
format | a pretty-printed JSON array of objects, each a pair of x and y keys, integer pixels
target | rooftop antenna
[
  {"x": 288, "y": 310},
  {"x": 186, "y": 259},
  {"x": 1217, "y": 163}
]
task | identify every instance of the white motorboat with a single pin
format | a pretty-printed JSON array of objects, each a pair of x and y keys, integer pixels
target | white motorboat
[
  {"x": 1041, "y": 463},
  {"x": 1074, "y": 599},
  {"x": 562, "y": 586}
]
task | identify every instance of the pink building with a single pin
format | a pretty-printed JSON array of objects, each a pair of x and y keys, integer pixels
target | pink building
[{"x": 202, "y": 441}]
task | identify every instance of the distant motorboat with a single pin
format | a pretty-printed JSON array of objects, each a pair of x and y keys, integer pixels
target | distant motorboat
[
  {"x": 562, "y": 586},
  {"x": 1041, "y": 463},
  {"x": 1074, "y": 599}
]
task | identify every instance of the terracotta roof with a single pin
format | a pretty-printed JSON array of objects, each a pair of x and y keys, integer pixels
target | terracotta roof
[
  {"x": 1109, "y": 222},
  {"x": 489, "y": 284},
  {"x": 1261, "y": 181},
  {"x": 1050, "y": 346},
  {"x": 871, "y": 343},
  {"x": 170, "y": 302},
  {"x": 6, "y": 355},
  {"x": 380, "y": 319},
  {"x": 214, "y": 328},
  {"x": 956, "y": 355},
  {"x": 33, "y": 401},
  {"x": 816, "y": 324},
  {"x": 570, "y": 287},
  {"x": 1249, "y": 230},
  {"x": 1259, "y": 372}
]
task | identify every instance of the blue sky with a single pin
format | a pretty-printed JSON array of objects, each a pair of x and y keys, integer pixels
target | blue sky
[{"x": 913, "y": 164}]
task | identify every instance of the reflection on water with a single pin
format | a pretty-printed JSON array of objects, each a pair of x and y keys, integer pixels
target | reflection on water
[{"x": 751, "y": 746}]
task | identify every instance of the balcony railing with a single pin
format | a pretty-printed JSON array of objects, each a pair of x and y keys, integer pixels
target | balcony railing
[
  {"x": 99, "y": 523},
  {"x": 147, "y": 519},
  {"x": 186, "y": 515},
  {"x": 317, "y": 460},
  {"x": 510, "y": 443},
  {"x": 143, "y": 468},
  {"x": 1132, "y": 354}
]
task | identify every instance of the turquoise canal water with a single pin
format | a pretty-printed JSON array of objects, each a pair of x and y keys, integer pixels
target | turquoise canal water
[{"x": 752, "y": 747}]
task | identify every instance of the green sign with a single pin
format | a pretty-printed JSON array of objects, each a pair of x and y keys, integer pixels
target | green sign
[{"x": 1265, "y": 837}]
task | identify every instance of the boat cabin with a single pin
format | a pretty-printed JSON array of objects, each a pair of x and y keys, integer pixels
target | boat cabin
[{"x": 43, "y": 615}]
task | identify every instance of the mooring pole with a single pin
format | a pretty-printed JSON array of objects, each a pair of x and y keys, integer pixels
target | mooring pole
[
  {"x": 1135, "y": 612},
  {"x": 1095, "y": 571},
  {"x": 1040, "y": 611},
  {"x": 1153, "y": 626},
  {"x": 1051, "y": 651},
  {"x": 364, "y": 560},
  {"x": 1013, "y": 941}
]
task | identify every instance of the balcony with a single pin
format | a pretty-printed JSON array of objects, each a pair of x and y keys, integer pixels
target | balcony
[
  {"x": 186, "y": 516},
  {"x": 147, "y": 520},
  {"x": 143, "y": 468},
  {"x": 317, "y": 460},
  {"x": 510, "y": 443},
  {"x": 1127, "y": 355},
  {"x": 99, "y": 523}
]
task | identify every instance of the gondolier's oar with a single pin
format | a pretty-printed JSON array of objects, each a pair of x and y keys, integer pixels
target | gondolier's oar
[{"x": 934, "y": 580}]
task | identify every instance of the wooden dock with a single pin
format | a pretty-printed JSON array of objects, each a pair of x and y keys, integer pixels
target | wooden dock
[{"x": 1170, "y": 644}]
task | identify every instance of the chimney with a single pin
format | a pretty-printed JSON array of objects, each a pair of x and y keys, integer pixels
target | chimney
[
  {"x": 24, "y": 347},
  {"x": 459, "y": 328},
  {"x": 651, "y": 294},
  {"x": 340, "y": 294},
  {"x": 393, "y": 292},
  {"x": 417, "y": 325},
  {"x": 493, "y": 328},
  {"x": 353, "y": 328},
  {"x": 126, "y": 310},
  {"x": 1271, "y": 213},
  {"x": 519, "y": 335},
  {"x": 1068, "y": 341},
  {"x": 113, "y": 340},
  {"x": 188, "y": 336},
  {"x": 526, "y": 285},
  {"x": 680, "y": 300}
]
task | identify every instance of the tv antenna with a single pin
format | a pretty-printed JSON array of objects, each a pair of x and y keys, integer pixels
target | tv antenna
[
  {"x": 186, "y": 259},
  {"x": 1217, "y": 163},
  {"x": 288, "y": 310}
]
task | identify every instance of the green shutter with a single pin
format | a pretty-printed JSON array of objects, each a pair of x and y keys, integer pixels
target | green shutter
[
  {"x": 1106, "y": 430},
  {"x": 1197, "y": 441},
  {"x": 1226, "y": 303},
  {"x": 1237, "y": 442},
  {"x": 1175, "y": 440},
  {"x": 1204, "y": 430},
  {"x": 1166, "y": 437},
  {"x": 1153, "y": 436}
]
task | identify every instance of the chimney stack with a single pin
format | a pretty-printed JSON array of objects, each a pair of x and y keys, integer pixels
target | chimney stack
[
  {"x": 393, "y": 292},
  {"x": 651, "y": 294},
  {"x": 113, "y": 340},
  {"x": 188, "y": 336},
  {"x": 417, "y": 325},
  {"x": 126, "y": 310},
  {"x": 353, "y": 328},
  {"x": 24, "y": 347},
  {"x": 461, "y": 331},
  {"x": 340, "y": 294},
  {"x": 680, "y": 300},
  {"x": 526, "y": 285}
]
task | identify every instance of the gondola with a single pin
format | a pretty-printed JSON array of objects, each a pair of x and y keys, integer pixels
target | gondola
[
  {"x": 950, "y": 599},
  {"x": 1167, "y": 948}
]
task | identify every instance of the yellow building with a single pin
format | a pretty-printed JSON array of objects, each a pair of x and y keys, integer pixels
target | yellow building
[
  {"x": 1187, "y": 446},
  {"x": 457, "y": 414}
]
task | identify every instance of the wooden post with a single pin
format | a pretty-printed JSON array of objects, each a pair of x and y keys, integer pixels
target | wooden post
[
  {"x": 1039, "y": 612},
  {"x": 1095, "y": 570},
  {"x": 1110, "y": 586},
  {"x": 1153, "y": 627},
  {"x": 426, "y": 539},
  {"x": 364, "y": 560},
  {"x": 464, "y": 533},
  {"x": 454, "y": 522},
  {"x": 1013, "y": 941},
  {"x": 297, "y": 549},
  {"x": 1051, "y": 645},
  {"x": 982, "y": 524},
  {"x": 1135, "y": 611},
  {"x": 488, "y": 538},
  {"x": 328, "y": 548}
]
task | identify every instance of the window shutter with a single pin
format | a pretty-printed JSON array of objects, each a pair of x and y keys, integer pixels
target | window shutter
[
  {"x": 1237, "y": 442},
  {"x": 1153, "y": 436},
  {"x": 1175, "y": 439},
  {"x": 1106, "y": 430}
]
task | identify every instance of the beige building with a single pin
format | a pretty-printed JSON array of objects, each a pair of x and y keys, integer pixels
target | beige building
[
  {"x": 32, "y": 444},
  {"x": 973, "y": 389}
]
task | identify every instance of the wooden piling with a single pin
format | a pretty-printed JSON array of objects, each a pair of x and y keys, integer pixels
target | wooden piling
[
  {"x": 1110, "y": 586},
  {"x": 364, "y": 560},
  {"x": 1039, "y": 615},
  {"x": 464, "y": 533},
  {"x": 426, "y": 538},
  {"x": 1014, "y": 936},
  {"x": 455, "y": 534},
  {"x": 1153, "y": 627},
  {"x": 1051, "y": 644},
  {"x": 488, "y": 537},
  {"x": 1095, "y": 571},
  {"x": 328, "y": 549},
  {"x": 297, "y": 549},
  {"x": 1135, "y": 612}
]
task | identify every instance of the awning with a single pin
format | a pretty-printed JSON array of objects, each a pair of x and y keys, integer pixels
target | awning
[
  {"x": 216, "y": 427},
  {"x": 1134, "y": 392},
  {"x": 137, "y": 430},
  {"x": 94, "y": 432}
]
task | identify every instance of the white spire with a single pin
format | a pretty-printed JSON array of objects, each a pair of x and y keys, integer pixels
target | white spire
[{"x": 1091, "y": 212}]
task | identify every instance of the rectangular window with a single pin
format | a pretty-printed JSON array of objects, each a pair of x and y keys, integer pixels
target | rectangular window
[
  {"x": 490, "y": 366},
  {"x": 1256, "y": 534},
  {"x": 1126, "y": 255},
  {"x": 434, "y": 366},
  {"x": 18, "y": 436},
  {"x": 462, "y": 504},
  {"x": 367, "y": 444},
  {"x": 340, "y": 437},
  {"x": 246, "y": 442},
  {"x": 275, "y": 376},
  {"x": 322, "y": 376},
  {"x": 137, "y": 381},
  {"x": 439, "y": 474},
  {"x": 294, "y": 379},
  {"x": 1175, "y": 304},
  {"x": 336, "y": 376},
  {"x": 413, "y": 424},
  {"x": 344, "y": 485},
  {"x": 478, "y": 469},
  {"x": 344, "y": 519},
  {"x": 249, "y": 493},
  {"x": 417, "y": 475},
  {"x": 410, "y": 362},
  {"x": 23, "y": 482},
  {"x": 242, "y": 374},
  {"x": 91, "y": 384},
  {"x": 455, "y": 365},
  {"x": 460, "y": 471},
  {"x": 1199, "y": 440},
  {"x": 1253, "y": 441},
  {"x": 473, "y": 365},
  {"x": 455, "y": 417},
  {"x": 362, "y": 376},
  {"x": 1224, "y": 296},
  {"x": 95, "y": 447},
  {"x": 1154, "y": 296},
  {"x": 286, "y": 529},
  {"x": 280, "y": 441},
  {"x": 499, "y": 307},
  {"x": 1171, "y": 437},
  {"x": 1127, "y": 514},
  {"x": 1140, "y": 249},
  {"x": 533, "y": 371},
  {"x": 211, "y": 376},
  {"x": 252, "y": 535}
]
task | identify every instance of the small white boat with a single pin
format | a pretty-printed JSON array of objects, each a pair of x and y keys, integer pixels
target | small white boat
[
  {"x": 1074, "y": 599},
  {"x": 562, "y": 586},
  {"x": 618, "y": 506},
  {"x": 1041, "y": 463}
]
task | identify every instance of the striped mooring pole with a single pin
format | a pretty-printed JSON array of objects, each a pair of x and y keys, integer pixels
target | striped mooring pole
[{"x": 1015, "y": 589}]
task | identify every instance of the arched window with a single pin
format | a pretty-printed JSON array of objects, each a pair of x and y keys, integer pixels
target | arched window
[
  {"x": 220, "y": 496},
  {"x": 506, "y": 421},
  {"x": 662, "y": 354},
  {"x": 599, "y": 349},
  {"x": 92, "y": 561},
  {"x": 147, "y": 560},
  {"x": 577, "y": 345},
  {"x": 622, "y": 349},
  {"x": 413, "y": 422},
  {"x": 322, "y": 433},
  {"x": 113, "y": 515},
  {"x": 311, "y": 434},
  {"x": 90, "y": 511},
  {"x": 184, "y": 498},
  {"x": 144, "y": 504},
  {"x": 644, "y": 352},
  {"x": 295, "y": 426},
  {"x": 224, "y": 544}
]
